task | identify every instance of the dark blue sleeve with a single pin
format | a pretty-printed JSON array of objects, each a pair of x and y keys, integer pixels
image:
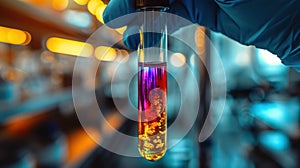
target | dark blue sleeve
[{"x": 272, "y": 25}]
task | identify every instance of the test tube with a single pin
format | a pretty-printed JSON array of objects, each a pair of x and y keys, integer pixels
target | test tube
[{"x": 152, "y": 80}]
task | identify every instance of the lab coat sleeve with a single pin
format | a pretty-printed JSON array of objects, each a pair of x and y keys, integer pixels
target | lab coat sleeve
[{"x": 272, "y": 25}]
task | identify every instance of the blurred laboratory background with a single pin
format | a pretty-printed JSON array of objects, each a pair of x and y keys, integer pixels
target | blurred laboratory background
[{"x": 40, "y": 42}]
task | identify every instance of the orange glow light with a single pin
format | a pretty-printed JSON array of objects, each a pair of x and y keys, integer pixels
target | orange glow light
[
  {"x": 87, "y": 143},
  {"x": 93, "y": 6},
  {"x": 60, "y": 4},
  {"x": 104, "y": 53},
  {"x": 69, "y": 47},
  {"x": 100, "y": 11},
  {"x": 14, "y": 36},
  {"x": 81, "y": 2}
]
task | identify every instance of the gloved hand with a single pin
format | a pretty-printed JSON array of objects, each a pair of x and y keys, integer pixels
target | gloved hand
[
  {"x": 274, "y": 26},
  {"x": 183, "y": 8}
]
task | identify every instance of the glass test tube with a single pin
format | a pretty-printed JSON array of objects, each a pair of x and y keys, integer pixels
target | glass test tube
[{"x": 152, "y": 84}]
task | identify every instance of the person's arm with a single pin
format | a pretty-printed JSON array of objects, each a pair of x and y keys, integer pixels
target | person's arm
[{"x": 271, "y": 25}]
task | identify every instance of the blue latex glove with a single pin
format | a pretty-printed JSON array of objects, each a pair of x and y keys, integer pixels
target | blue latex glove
[
  {"x": 272, "y": 25},
  {"x": 184, "y": 8}
]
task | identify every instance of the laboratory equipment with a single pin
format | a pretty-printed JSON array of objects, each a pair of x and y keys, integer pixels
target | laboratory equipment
[{"x": 152, "y": 80}]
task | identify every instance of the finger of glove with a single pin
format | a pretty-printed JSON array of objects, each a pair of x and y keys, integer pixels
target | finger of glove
[
  {"x": 116, "y": 9},
  {"x": 203, "y": 12},
  {"x": 188, "y": 9},
  {"x": 131, "y": 38}
]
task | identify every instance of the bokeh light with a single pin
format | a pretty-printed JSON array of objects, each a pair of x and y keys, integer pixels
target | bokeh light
[{"x": 69, "y": 47}]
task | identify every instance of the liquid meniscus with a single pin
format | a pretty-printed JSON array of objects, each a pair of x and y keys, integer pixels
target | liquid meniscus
[{"x": 152, "y": 114}]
